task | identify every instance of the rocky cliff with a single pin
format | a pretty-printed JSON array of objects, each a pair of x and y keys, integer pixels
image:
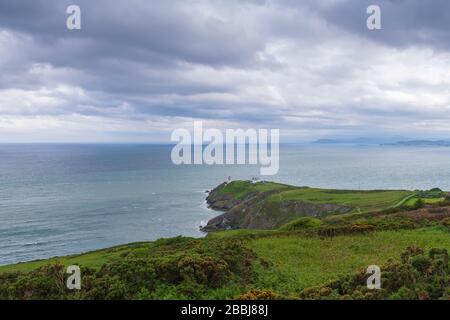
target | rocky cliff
[{"x": 258, "y": 209}]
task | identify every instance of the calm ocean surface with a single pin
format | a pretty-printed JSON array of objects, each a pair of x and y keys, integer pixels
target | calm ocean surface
[{"x": 63, "y": 199}]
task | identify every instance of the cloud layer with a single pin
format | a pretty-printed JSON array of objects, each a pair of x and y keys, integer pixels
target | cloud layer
[{"x": 139, "y": 69}]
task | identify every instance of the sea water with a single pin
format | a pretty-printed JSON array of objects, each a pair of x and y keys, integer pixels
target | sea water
[{"x": 59, "y": 199}]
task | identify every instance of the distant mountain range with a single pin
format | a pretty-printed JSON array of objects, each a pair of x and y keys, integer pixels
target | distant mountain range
[
  {"x": 390, "y": 141},
  {"x": 363, "y": 140},
  {"x": 420, "y": 143}
]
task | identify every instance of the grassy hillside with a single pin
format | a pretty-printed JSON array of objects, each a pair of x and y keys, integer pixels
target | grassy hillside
[
  {"x": 269, "y": 205},
  {"x": 359, "y": 200},
  {"x": 298, "y": 263},
  {"x": 282, "y": 263},
  {"x": 92, "y": 259},
  {"x": 241, "y": 188}
]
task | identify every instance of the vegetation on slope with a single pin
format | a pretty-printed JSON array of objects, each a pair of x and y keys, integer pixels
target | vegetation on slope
[
  {"x": 417, "y": 276},
  {"x": 178, "y": 268},
  {"x": 240, "y": 188},
  {"x": 359, "y": 201},
  {"x": 268, "y": 205},
  {"x": 250, "y": 264}
]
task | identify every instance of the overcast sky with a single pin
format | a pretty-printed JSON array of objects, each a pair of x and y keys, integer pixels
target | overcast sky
[{"x": 139, "y": 69}]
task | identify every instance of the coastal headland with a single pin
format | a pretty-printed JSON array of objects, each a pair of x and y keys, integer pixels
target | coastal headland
[{"x": 271, "y": 241}]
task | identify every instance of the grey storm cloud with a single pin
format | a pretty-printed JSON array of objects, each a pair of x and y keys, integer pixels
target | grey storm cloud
[
  {"x": 149, "y": 66},
  {"x": 405, "y": 22}
]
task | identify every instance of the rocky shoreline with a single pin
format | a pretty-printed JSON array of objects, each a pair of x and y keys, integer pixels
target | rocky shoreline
[{"x": 253, "y": 211}]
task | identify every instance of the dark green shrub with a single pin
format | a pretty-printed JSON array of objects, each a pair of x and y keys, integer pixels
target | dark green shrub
[
  {"x": 208, "y": 271},
  {"x": 256, "y": 294},
  {"x": 416, "y": 277},
  {"x": 301, "y": 223},
  {"x": 177, "y": 269}
]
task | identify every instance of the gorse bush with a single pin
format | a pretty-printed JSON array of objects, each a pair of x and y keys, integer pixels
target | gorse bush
[
  {"x": 418, "y": 276},
  {"x": 46, "y": 282},
  {"x": 208, "y": 271},
  {"x": 255, "y": 294},
  {"x": 224, "y": 266},
  {"x": 301, "y": 223},
  {"x": 186, "y": 274}
]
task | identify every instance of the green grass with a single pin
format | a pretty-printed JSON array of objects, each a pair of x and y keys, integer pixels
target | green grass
[
  {"x": 302, "y": 253},
  {"x": 362, "y": 201},
  {"x": 299, "y": 262},
  {"x": 238, "y": 233},
  {"x": 433, "y": 200},
  {"x": 93, "y": 259},
  {"x": 296, "y": 261},
  {"x": 431, "y": 196},
  {"x": 301, "y": 224},
  {"x": 239, "y": 189},
  {"x": 359, "y": 201},
  {"x": 411, "y": 202},
  {"x": 288, "y": 261}
]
